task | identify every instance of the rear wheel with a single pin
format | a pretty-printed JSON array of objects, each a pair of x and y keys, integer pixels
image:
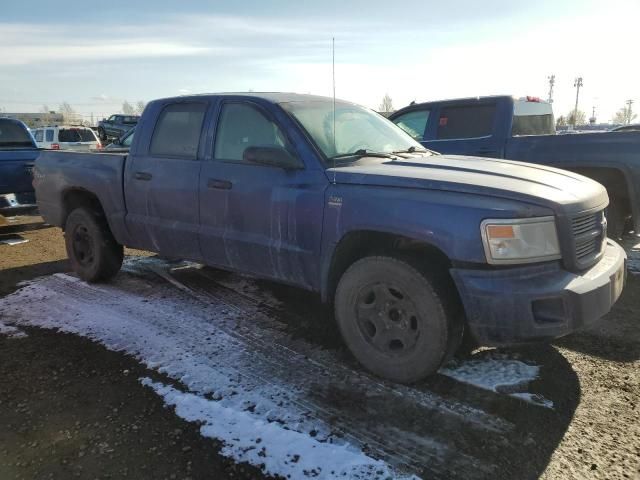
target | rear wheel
[
  {"x": 93, "y": 252},
  {"x": 393, "y": 320}
]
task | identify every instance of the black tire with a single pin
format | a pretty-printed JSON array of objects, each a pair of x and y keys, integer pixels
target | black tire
[
  {"x": 93, "y": 252},
  {"x": 393, "y": 320},
  {"x": 102, "y": 134},
  {"x": 617, "y": 217}
]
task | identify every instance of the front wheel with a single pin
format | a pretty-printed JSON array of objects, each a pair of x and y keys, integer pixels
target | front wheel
[
  {"x": 392, "y": 319},
  {"x": 93, "y": 252}
]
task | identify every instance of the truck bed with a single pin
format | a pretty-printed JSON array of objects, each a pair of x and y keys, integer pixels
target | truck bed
[
  {"x": 577, "y": 150},
  {"x": 57, "y": 173}
]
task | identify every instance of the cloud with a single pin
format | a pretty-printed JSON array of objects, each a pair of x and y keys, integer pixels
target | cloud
[{"x": 63, "y": 52}]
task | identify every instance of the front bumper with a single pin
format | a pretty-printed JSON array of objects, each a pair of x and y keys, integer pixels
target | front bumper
[{"x": 536, "y": 303}]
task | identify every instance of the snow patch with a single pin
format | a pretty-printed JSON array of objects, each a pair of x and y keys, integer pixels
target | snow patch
[
  {"x": 11, "y": 331},
  {"x": 498, "y": 373},
  {"x": 239, "y": 384},
  {"x": 268, "y": 445}
]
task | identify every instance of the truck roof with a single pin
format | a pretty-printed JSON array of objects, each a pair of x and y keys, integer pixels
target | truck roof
[{"x": 274, "y": 97}]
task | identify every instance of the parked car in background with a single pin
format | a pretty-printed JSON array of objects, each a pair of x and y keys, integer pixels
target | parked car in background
[
  {"x": 523, "y": 129},
  {"x": 18, "y": 152},
  {"x": 634, "y": 127},
  {"x": 62, "y": 137},
  {"x": 401, "y": 241},
  {"x": 122, "y": 144},
  {"x": 116, "y": 125}
]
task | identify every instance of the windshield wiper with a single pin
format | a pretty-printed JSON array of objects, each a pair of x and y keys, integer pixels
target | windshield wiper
[
  {"x": 415, "y": 150},
  {"x": 363, "y": 153}
]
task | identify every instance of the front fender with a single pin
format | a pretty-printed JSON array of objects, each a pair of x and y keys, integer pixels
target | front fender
[{"x": 448, "y": 221}]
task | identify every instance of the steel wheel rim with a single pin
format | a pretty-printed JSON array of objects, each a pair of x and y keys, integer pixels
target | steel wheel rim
[
  {"x": 82, "y": 244},
  {"x": 387, "y": 319}
]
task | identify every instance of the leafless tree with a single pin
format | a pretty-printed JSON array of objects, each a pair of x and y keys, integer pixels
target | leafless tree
[
  {"x": 127, "y": 108},
  {"x": 387, "y": 105},
  {"x": 580, "y": 118},
  {"x": 69, "y": 115},
  {"x": 140, "y": 107},
  {"x": 624, "y": 116}
]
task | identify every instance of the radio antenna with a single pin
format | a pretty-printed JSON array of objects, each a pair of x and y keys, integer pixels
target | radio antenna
[{"x": 333, "y": 73}]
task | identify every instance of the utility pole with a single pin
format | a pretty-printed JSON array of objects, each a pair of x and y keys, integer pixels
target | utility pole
[
  {"x": 628, "y": 113},
  {"x": 552, "y": 82},
  {"x": 577, "y": 84}
]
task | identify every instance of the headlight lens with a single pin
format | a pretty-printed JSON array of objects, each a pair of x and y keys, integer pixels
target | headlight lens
[{"x": 524, "y": 240}]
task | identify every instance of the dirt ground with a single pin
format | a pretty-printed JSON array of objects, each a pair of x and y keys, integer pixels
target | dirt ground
[{"x": 70, "y": 408}]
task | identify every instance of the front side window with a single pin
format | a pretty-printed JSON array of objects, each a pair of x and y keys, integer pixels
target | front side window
[
  {"x": 49, "y": 135},
  {"x": 38, "y": 136},
  {"x": 468, "y": 121},
  {"x": 414, "y": 123},
  {"x": 356, "y": 128},
  {"x": 177, "y": 132},
  {"x": 112, "y": 118},
  {"x": 242, "y": 126}
]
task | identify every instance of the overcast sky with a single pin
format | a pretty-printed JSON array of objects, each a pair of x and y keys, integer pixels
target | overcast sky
[{"x": 94, "y": 55}]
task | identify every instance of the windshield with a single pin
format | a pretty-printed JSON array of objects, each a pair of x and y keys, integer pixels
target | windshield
[
  {"x": 357, "y": 129},
  {"x": 13, "y": 134}
]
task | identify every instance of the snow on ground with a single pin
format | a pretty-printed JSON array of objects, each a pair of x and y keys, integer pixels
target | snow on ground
[
  {"x": 223, "y": 375},
  {"x": 498, "y": 373},
  {"x": 269, "y": 398},
  {"x": 260, "y": 442},
  {"x": 11, "y": 331}
]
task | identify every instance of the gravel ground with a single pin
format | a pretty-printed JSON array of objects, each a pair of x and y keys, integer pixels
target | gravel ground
[{"x": 70, "y": 408}]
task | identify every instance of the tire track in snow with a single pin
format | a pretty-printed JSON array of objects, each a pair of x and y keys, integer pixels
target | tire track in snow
[{"x": 205, "y": 346}]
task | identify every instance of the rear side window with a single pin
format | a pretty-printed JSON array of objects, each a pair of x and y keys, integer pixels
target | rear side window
[
  {"x": 414, "y": 123},
  {"x": 177, "y": 132},
  {"x": 38, "y": 135},
  {"x": 243, "y": 126},
  {"x": 49, "y": 135},
  {"x": 129, "y": 119},
  {"x": 13, "y": 134},
  {"x": 469, "y": 121},
  {"x": 76, "y": 135}
]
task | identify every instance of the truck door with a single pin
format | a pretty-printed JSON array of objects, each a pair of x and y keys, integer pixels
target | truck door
[
  {"x": 260, "y": 219},
  {"x": 161, "y": 182},
  {"x": 466, "y": 129}
]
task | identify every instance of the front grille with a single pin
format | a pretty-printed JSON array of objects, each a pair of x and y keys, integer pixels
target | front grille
[{"x": 589, "y": 232}]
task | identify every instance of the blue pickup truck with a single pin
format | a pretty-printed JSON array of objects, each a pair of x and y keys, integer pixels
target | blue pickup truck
[
  {"x": 18, "y": 152},
  {"x": 412, "y": 248},
  {"x": 116, "y": 125},
  {"x": 523, "y": 129}
]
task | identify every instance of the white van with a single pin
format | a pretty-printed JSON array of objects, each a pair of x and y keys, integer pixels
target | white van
[{"x": 61, "y": 137}]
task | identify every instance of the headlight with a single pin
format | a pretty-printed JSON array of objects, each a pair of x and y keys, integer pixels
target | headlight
[{"x": 524, "y": 240}]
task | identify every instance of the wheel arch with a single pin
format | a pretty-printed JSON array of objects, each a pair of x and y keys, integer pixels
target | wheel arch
[
  {"x": 76, "y": 197},
  {"x": 618, "y": 183},
  {"x": 358, "y": 244}
]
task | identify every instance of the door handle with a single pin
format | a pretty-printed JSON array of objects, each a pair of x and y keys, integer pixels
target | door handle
[
  {"x": 219, "y": 184},
  {"x": 143, "y": 176}
]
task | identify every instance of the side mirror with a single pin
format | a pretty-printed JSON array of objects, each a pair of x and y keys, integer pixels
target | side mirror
[{"x": 272, "y": 156}]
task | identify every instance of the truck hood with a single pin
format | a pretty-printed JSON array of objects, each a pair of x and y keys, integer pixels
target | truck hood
[{"x": 563, "y": 191}]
